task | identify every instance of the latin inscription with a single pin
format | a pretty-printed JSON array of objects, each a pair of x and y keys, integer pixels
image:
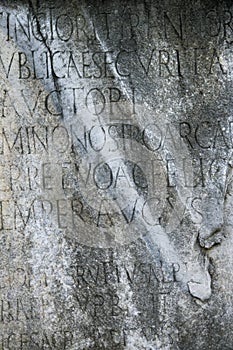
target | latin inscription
[{"x": 110, "y": 148}]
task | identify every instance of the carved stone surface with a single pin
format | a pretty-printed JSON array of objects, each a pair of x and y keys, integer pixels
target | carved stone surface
[{"x": 116, "y": 137}]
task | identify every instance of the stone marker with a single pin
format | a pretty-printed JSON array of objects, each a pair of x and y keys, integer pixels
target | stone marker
[{"x": 116, "y": 137}]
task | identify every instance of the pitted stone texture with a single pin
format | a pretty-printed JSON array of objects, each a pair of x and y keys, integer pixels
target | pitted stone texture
[{"x": 116, "y": 175}]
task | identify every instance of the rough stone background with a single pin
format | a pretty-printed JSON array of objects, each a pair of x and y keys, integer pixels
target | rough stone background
[{"x": 116, "y": 175}]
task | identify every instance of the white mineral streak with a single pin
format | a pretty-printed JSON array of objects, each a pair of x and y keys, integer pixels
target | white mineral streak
[
  {"x": 193, "y": 274},
  {"x": 196, "y": 275}
]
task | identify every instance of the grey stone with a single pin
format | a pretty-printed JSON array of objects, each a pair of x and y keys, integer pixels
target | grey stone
[{"x": 116, "y": 175}]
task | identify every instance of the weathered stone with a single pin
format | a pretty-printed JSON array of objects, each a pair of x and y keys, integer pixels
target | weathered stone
[{"x": 116, "y": 175}]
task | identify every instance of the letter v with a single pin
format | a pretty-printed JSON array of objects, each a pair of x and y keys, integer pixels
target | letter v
[
  {"x": 7, "y": 71},
  {"x": 31, "y": 110},
  {"x": 146, "y": 69}
]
